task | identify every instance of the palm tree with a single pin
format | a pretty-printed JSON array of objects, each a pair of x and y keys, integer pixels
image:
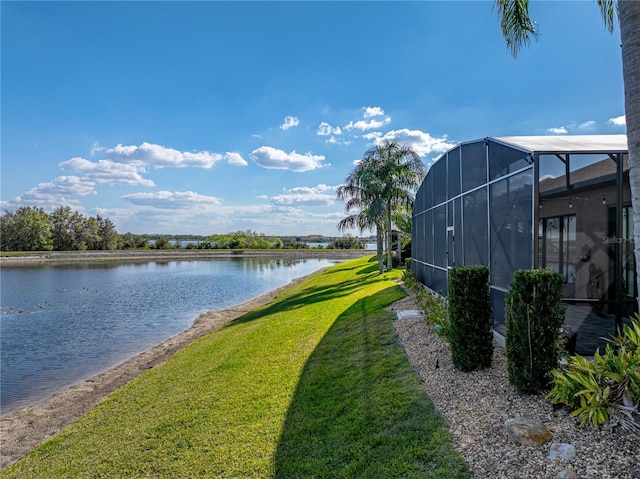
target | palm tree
[
  {"x": 361, "y": 193},
  {"x": 399, "y": 171},
  {"x": 402, "y": 222},
  {"x": 384, "y": 180},
  {"x": 518, "y": 28}
]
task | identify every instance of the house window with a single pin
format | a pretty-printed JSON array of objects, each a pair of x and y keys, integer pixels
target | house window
[
  {"x": 628, "y": 255},
  {"x": 557, "y": 236},
  {"x": 628, "y": 266}
]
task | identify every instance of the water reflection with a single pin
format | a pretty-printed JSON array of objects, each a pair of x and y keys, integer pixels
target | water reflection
[{"x": 63, "y": 323}]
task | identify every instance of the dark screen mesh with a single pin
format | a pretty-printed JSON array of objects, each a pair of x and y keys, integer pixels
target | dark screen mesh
[
  {"x": 453, "y": 173},
  {"x": 439, "y": 281},
  {"x": 510, "y": 227},
  {"x": 439, "y": 186},
  {"x": 417, "y": 237},
  {"x": 474, "y": 165},
  {"x": 427, "y": 194},
  {"x": 476, "y": 228},
  {"x": 440, "y": 236},
  {"x": 458, "y": 238},
  {"x": 428, "y": 237},
  {"x": 504, "y": 160}
]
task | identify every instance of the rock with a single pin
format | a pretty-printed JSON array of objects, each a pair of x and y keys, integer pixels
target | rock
[
  {"x": 566, "y": 474},
  {"x": 561, "y": 450},
  {"x": 527, "y": 432}
]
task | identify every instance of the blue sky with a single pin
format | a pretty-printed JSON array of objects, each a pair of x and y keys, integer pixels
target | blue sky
[{"x": 211, "y": 117}]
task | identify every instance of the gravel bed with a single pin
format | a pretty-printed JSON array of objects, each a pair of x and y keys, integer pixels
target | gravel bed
[{"x": 476, "y": 405}]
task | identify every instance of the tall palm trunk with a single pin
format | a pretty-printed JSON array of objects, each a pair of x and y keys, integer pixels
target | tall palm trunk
[
  {"x": 389, "y": 236},
  {"x": 379, "y": 248},
  {"x": 629, "y": 20}
]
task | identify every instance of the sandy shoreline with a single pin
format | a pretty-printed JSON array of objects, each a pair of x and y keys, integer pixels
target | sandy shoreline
[{"x": 26, "y": 428}]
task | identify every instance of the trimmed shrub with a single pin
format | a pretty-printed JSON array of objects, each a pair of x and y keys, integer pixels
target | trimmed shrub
[
  {"x": 470, "y": 334},
  {"x": 533, "y": 319}
]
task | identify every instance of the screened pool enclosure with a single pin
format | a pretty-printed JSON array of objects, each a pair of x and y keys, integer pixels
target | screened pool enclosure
[{"x": 557, "y": 202}]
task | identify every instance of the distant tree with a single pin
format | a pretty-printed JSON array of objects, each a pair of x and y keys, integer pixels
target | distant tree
[
  {"x": 293, "y": 243},
  {"x": 26, "y": 229},
  {"x": 66, "y": 226},
  {"x": 108, "y": 236},
  {"x": 162, "y": 243},
  {"x": 243, "y": 240},
  {"x": 131, "y": 241},
  {"x": 88, "y": 235},
  {"x": 31, "y": 228},
  {"x": 347, "y": 242}
]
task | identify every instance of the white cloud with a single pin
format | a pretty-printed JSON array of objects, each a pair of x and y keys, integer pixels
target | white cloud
[
  {"x": 171, "y": 199},
  {"x": 96, "y": 147},
  {"x": 158, "y": 156},
  {"x": 337, "y": 141},
  {"x": 289, "y": 122},
  {"x": 235, "y": 159},
  {"x": 373, "y": 111},
  {"x": 267, "y": 218},
  {"x": 325, "y": 129},
  {"x": 374, "y": 135},
  {"x": 106, "y": 171},
  {"x": 307, "y": 195},
  {"x": 364, "y": 125},
  {"x": 334, "y": 133},
  {"x": 368, "y": 123},
  {"x": 587, "y": 125},
  {"x": 66, "y": 186},
  {"x": 273, "y": 158},
  {"x": 421, "y": 142},
  {"x": 618, "y": 120},
  {"x": 304, "y": 199},
  {"x": 51, "y": 195}
]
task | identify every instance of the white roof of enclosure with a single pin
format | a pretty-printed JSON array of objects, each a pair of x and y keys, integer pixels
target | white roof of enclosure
[{"x": 567, "y": 143}]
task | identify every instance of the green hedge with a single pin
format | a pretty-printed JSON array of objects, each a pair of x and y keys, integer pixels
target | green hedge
[
  {"x": 471, "y": 333},
  {"x": 533, "y": 319}
]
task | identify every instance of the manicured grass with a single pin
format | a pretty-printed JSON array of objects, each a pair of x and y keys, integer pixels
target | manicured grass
[{"x": 313, "y": 384}]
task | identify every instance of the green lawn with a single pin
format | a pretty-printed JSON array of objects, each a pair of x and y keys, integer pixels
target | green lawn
[{"x": 314, "y": 384}]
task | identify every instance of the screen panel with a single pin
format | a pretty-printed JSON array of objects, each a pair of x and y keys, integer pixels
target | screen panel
[
  {"x": 511, "y": 244},
  {"x": 475, "y": 228},
  {"x": 504, "y": 160},
  {"x": 439, "y": 186},
  {"x": 440, "y": 236},
  {"x": 474, "y": 165},
  {"x": 453, "y": 173}
]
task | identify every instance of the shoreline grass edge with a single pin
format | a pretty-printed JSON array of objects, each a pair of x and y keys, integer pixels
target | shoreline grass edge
[{"x": 312, "y": 384}]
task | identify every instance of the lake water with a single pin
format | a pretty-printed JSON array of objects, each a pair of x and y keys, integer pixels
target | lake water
[{"x": 62, "y": 324}]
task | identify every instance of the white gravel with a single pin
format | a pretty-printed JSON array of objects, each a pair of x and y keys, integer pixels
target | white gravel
[{"x": 476, "y": 405}]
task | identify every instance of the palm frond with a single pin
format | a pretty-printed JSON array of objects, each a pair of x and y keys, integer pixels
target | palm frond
[
  {"x": 608, "y": 10},
  {"x": 517, "y": 26}
]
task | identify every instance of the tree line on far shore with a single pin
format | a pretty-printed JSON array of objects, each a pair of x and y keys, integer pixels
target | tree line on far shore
[{"x": 33, "y": 229}]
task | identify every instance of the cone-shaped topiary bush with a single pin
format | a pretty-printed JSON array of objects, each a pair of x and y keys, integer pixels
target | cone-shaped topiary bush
[
  {"x": 533, "y": 319},
  {"x": 471, "y": 334}
]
